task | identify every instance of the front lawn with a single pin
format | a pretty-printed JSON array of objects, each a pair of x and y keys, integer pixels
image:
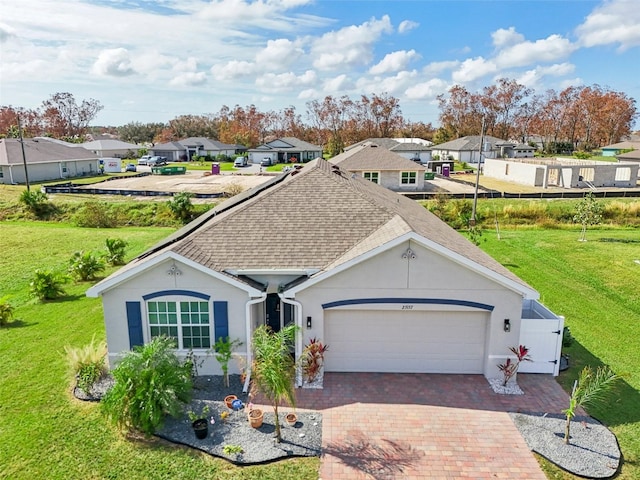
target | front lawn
[
  {"x": 44, "y": 433},
  {"x": 594, "y": 285}
]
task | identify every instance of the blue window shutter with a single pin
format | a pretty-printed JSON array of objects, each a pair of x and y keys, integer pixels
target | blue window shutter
[
  {"x": 220, "y": 320},
  {"x": 134, "y": 322}
]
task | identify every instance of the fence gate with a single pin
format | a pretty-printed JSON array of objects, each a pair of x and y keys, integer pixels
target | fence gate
[{"x": 543, "y": 338}]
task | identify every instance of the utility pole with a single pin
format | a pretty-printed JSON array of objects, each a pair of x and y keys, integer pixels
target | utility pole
[
  {"x": 24, "y": 158},
  {"x": 472, "y": 222}
]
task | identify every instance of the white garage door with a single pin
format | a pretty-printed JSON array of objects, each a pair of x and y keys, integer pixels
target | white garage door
[{"x": 405, "y": 342}]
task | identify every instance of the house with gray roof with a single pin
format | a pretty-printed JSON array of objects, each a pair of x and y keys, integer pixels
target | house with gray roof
[
  {"x": 373, "y": 162},
  {"x": 186, "y": 149},
  {"x": 616, "y": 148},
  {"x": 285, "y": 150},
  {"x": 112, "y": 148},
  {"x": 383, "y": 282},
  {"x": 45, "y": 159},
  {"x": 414, "y": 149}
]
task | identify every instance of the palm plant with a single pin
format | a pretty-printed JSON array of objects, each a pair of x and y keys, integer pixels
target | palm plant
[
  {"x": 116, "y": 248},
  {"x": 274, "y": 368},
  {"x": 47, "y": 285},
  {"x": 589, "y": 389}
]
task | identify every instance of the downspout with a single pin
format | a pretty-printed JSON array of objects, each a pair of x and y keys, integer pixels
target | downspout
[
  {"x": 247, "y": 314},
  {"x": 298, "y": 322}
]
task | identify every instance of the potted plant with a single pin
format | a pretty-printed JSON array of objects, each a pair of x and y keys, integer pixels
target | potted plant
[
  {"x": 228, "y": 400},
  {"x": 291, "y": 419},
  {"x": 256, "y": 416},
  {"x": 199, "y": 422}
]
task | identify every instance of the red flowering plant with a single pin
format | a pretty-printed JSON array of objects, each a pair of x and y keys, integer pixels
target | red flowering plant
[
  {"x": 313, "y": 359},
  {"x": 510, "y": 368}
]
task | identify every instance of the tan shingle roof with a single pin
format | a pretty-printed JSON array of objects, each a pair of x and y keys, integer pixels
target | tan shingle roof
[
  {"x": 313, "y": 219},
  {"x": 370, "y": 156}
]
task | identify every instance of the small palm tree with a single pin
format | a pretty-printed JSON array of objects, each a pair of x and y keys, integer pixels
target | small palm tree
[
  {"x": 274, "y": 368},
  {"x": 589, "y": 389}
]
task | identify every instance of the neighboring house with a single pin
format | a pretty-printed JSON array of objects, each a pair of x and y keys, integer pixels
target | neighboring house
[
  {"x": 633, "y": 156},
  {"x": 415, "y": 149},
  {"x": 515, "y": 150},
  {"x": 45, "y": 159},
  {"x": 383, "y": 282},
  {"x": 184, "y": 150},
  {"x": 379, "y": 165},
  {"x": 467, "y": 149},
  {"x": 111, "y": 148},
  {"x": 563, "y": 172},
  {"x": 285, "y": 150},
  {"x": 616, "y": 148}
]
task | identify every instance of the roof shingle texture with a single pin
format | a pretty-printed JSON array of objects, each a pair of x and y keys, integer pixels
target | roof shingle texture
[{"x": 316, "y": 218}]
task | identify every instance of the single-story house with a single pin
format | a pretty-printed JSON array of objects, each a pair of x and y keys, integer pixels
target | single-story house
[
  {"x": 379, "y": 165},
  {"x": 563, "y": 172},
  {"x": 632, "y": 156},
  {"x": 285, "y": 150},
  {"x": 112, "y": 148},
  {"x": 415, "y": 149},
  {"x": 615, "y": 149},
  {"x": 383, "y": 282},
  {"x": 45, "y": 159},
  {"x": 467, "y": 149},
  {"x": 183, "y": 150}
]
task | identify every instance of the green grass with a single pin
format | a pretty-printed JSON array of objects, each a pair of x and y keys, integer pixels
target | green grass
[
  {"x": 44, "y": 432},
  {"x": 594, "y": 285}
]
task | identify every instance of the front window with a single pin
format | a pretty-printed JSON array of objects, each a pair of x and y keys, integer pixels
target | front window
[
  {"x": 408, "y": 178},
  {"x": 372, "y": 176},
  {"x": 187, "y": 323}
]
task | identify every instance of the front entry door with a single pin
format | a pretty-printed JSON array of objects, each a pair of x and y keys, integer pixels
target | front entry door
[{"x": 272, "y": 314}]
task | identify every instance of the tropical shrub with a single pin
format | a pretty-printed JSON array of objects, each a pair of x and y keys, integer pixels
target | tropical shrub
[
  {"x": 589, "y": 389},
  {"x": 6, "y": 312},
  {"x": 274, "y": 369},
  {"x": 47, "y": 285},
  {"x": 150, "y": 383},
  {"x": 181, "y": 206},
  {"x": 96, "y": 215},
  {"x": 35, "y": 202},
  {"x": 85, "y": 266},
  {"x": 509, "y": 368},
  {"x": 223, "y": 352},
  {"x": 313, "y": 359},
  {"x": 87, "y": 363},
  {"x": 116, "y": 250}
]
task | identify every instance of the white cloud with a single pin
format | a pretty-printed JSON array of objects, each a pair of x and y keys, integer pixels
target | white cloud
[
  {"x": 278, "y": 53},
  {"x": 233, "y": 70},
  {"x": 429, "y": 89},
  {"x": 506, "y": 38},
  {"x": 472, "y": 69},
  {"x": 615, "y": 21},
  {"x": 435, "y": 68},
  {"x": 532, "y": 78},
  {"x": 337, "y": 84},
  {"x": 6, "y": 32},
  {"x": 114, "y": 62},
  {"x": 188, "y": 65},
  {"x": 349, "y": 46},
  {"x": 189, "y": 79},
  {"x": 407, "y": 25},
  {"x": 392, "y": 62},
  {"x": 550, "y": 49},
  {"x": 285, "y": 81},
  {"x": 393, "y": 85},
  {"x": 309, "y": 94}
]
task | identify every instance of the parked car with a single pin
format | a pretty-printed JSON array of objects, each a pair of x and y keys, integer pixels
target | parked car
[
  {"x": 240, "y": 162},
  {"x": 156, "y": 161},
  {"x": 266, "y": 162},
  {"x": 131, "y": 167},
  {"x": 144, "y": 160}
]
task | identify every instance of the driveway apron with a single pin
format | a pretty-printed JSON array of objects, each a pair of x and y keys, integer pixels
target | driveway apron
[{"x": 426, "y": 426}]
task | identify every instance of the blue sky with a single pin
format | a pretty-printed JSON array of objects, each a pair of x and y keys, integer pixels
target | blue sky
[{"x": 154, "y": 60}]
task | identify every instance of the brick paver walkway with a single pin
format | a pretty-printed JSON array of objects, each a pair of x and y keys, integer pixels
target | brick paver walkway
[{"x": 424, "y": 426}]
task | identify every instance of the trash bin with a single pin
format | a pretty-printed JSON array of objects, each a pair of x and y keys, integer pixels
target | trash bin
[
  {"x": 429, "y": 175},
  {"x": 215, "y": 169},
  {"x": 445, "y": 170}
]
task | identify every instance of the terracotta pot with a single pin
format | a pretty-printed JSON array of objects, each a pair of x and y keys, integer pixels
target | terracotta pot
[
  {"x": 255, "y": 417},
  {"x": 291, "y": 419},
  {"x": 228, "y": 400},
  {"x": 201, "y": 428}
]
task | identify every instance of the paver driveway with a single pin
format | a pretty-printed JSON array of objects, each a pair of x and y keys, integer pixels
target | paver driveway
[{"x": 419, "y": 426}]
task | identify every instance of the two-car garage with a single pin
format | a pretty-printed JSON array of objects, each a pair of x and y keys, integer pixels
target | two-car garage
[{"x": 405, "y": 341}]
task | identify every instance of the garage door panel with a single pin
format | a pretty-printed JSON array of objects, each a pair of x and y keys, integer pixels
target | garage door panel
[{"x": 409, "y": 342}]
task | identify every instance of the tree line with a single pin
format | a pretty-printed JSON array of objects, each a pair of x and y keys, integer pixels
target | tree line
[{"x": 577, "y": 118}]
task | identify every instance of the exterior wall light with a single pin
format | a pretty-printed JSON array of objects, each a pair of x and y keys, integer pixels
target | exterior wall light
[
  {"x": 308, "y": 322},
  {"x": 507, "y": 325}
]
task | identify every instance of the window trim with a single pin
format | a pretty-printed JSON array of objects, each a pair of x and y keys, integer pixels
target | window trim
[
  {"x": 371, "y": 174},
  {"x": 411, "y": 178}
]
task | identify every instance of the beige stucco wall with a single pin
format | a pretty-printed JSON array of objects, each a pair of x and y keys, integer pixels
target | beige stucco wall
[
  {"x": 429, "y": 275},
  {"x": 391, "y": 180},
  {"x": 157, "y": 279}
]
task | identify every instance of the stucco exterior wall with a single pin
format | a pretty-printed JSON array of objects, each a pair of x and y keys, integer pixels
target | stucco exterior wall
[
  {"x": 429, "y": 275},
  {"x": 391, "y": 180},
  {"x": 157, "y": 279},
  {"x": 48, "y": 171}
]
